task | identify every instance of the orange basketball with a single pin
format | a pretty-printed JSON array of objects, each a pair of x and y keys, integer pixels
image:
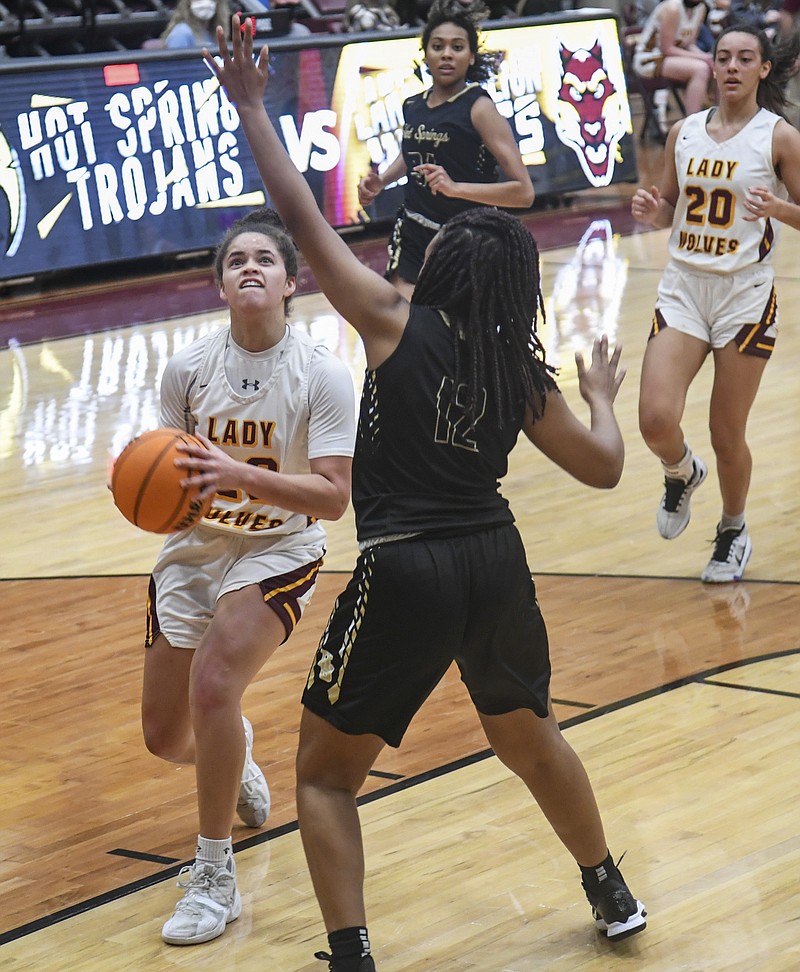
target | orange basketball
[{"x": 146, "y": 484}]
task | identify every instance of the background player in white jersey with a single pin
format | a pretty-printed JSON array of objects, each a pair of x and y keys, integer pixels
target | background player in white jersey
[
  {"x": 724, "y": 185},
  {"x": 276, "y": 412},
  {"x": 667, "y": 48},
  {"x": 453, "y": 378}
]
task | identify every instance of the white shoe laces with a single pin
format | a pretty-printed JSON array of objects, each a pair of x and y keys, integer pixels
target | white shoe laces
[{"x": 199, "y": 885}]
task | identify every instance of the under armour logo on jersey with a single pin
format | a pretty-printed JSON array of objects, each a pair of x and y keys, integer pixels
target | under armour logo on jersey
[{"x": 250, "y": 384}]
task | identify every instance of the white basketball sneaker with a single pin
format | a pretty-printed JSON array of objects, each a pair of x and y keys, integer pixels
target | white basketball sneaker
[
  {"x": 210, "y": 900},
  {"x": 673, "y": 512},
  {"x": 732, "y": 549},
  {"x": 254, "y": 800}
]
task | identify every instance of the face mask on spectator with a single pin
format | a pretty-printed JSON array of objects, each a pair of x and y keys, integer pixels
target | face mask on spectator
[{"x": 203, "y": 9}]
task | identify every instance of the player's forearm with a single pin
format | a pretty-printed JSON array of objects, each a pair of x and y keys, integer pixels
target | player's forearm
[
  {"x": 288, "y": 189},
  {"x": 788, "y": 213},
  {"x": 606, "y": 448},
  {"x": 663, "y": 216},
  {"x": 514, "y": 194},
  {"x": 308, "y": 493},
  {"x": 395, "y": 170}
]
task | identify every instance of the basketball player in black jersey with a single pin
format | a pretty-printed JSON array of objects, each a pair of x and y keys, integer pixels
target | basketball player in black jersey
[
  {"x": 452, "y": 378},
  {"x": 454, "y": 140}
]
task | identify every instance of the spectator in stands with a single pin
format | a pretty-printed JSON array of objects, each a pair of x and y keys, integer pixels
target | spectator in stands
[
  {"x": 537, "y": 8},
  {"x": 789, "y": 12},
  {"x": 717, "y": 18},
  {"x": 415, "y": 12},
  {"x": 764, "y": 14},
  {"x": 787, "y": 25},
  {"x": 295, "y": 29},
  {"x": 370, "y": 15},
  {"x": 667, "y": 47},
  {"x": 195, "y": 22}
]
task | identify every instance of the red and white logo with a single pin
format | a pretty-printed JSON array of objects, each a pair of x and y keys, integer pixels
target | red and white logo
[{"x": 588, "y": 117}]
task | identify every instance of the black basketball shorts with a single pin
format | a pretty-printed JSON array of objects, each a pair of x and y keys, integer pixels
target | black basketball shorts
[
  {"x": 407, "y": 246},
  {"x": 410, "y": 609}
]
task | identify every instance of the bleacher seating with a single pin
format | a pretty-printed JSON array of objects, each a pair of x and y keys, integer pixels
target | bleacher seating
[
  {"x": 326, "y": 16},
  {"x": 35, "y": 28}
]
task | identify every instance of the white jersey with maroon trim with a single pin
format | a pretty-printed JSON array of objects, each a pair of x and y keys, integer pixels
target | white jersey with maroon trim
[
  {"x": 709, "y": 231},
  {"x": 296, "y": 404}
]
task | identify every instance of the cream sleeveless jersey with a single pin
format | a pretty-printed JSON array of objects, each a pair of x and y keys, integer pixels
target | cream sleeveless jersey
[
  {"x": 709, "y": 232},
  {"x": 303, "y": 408}
]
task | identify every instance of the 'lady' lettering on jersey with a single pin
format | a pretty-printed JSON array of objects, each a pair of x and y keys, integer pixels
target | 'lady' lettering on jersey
[
  {"x": 241, "y": 432},
  {"x": 711, "y": 168}
]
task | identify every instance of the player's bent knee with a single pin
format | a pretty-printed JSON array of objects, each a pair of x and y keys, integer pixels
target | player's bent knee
[
  {"x": 164, "y": 741},
  {"x": 655, "y": 426}
]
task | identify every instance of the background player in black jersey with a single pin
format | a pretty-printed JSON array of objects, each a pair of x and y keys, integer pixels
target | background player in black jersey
[
  {"x": 452, "y": 379},
  {"x": 454, "y": 139}
]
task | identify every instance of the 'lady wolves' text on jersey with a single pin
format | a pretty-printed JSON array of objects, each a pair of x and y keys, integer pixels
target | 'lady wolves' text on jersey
[
  {"x": 709, "y": 231},
  {"x": 301, "y": 408}
]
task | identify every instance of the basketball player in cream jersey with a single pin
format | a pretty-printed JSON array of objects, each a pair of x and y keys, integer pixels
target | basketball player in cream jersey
[
  {"x": 276, "y": 414},
  {"x": 723, "y": 191}
]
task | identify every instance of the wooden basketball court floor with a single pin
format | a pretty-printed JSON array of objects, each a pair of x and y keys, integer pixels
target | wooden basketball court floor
[{"x": 683, "y": 700}]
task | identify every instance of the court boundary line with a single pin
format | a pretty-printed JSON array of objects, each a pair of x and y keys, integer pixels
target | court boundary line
[{"x": 534, "y": 575}]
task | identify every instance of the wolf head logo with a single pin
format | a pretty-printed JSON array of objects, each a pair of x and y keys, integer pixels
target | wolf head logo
[{"x": 588, "y": 117}]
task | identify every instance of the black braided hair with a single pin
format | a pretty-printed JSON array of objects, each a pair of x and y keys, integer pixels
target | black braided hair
[
  {"x": 483, "y": 272},
  {"x": 268, "y": 223},
  {"x": 781, "y": 54},
  {"x": 469, "y": 17}
]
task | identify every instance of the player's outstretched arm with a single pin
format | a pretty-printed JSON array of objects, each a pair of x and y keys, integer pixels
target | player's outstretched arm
[
  {"x": 370, "y": 303},
  {"x": 593, "y": 455}
]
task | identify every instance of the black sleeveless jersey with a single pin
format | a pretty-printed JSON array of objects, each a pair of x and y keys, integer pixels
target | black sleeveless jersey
[
  {"x": 419, "y": 466},
  {"x": 444, "y": 136}
]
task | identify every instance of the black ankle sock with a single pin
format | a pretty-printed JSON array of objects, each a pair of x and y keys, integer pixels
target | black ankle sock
[
  {"x": 600, "y": 872},
  {"x": 349, "y": 945}
]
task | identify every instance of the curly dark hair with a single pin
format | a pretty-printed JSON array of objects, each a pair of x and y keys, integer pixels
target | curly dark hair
[
  {"x": 781, "y": 53},
  {"x": 469, "y": 17},
  {"x": 267, "y": 222},
  {"x": 483, "y": 273}
]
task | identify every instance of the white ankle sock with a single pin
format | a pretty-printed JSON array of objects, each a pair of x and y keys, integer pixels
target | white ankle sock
[
  {"x": 683, "y": 469},
  {"x": 731, "y": 522},
  {"x": 216, "y": 852}
]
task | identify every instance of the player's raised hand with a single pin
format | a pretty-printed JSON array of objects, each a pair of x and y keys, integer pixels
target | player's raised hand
[
  {"x": 603, "y": 378},
  {"x": 243, "y": 78}
]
